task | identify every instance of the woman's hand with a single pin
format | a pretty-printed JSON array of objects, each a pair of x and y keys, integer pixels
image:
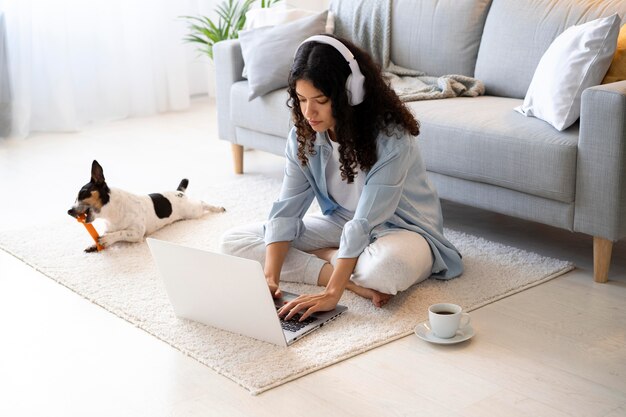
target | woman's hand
[
  {"x": 325, "y": 301},
  {"x": 309, "y": 303},
  {"x": 273, "y": 284},
  {"x": 275, "y": 254}
]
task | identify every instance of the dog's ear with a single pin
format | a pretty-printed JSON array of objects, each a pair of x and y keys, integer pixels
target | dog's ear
[{"x": 97, "y": 175}]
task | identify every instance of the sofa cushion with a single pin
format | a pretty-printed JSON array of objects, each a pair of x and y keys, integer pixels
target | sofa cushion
[
  {"x": 268, "y": 51},
  {"x": 518, "y": 33},
  {"x": 273, "y": 16},
  {"x": 267, "y": 114},
  {"x": 481, "y": 139},
  {"x": 438, "y": 37}
]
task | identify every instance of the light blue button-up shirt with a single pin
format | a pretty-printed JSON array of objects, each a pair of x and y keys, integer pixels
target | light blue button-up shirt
[{"x": 397, "y": 195}]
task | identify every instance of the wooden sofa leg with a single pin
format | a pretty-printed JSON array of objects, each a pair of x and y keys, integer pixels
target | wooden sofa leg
[
  {"x": 237, "y": 158},
  {"x": 601, "y": 258}
]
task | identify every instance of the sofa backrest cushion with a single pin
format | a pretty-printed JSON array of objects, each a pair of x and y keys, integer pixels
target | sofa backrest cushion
[
  {"x": 518, "y": 33},
  {"x": 438, "y": 37}
]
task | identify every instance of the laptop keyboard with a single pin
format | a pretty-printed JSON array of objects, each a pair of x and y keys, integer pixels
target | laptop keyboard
[{"x": 293, "y": 325}]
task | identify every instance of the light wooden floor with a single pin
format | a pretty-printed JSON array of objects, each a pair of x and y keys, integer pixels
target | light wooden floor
[{"x": 555, "y": 350}]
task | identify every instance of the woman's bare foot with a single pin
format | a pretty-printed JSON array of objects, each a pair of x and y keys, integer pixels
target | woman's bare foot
[{"x": 378, "y": 298}]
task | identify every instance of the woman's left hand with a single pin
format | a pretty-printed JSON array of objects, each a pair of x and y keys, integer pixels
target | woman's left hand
[{"x": 309, "y": 303}]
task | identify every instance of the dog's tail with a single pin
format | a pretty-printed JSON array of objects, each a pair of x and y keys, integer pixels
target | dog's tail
[{"x": 183, "y": 185}]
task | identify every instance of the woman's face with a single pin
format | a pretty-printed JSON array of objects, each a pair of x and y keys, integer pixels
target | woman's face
[{"x": 315, "y": 106}]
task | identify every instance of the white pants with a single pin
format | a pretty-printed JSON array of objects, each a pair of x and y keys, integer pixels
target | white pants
[{"x": 391, "y": 263}]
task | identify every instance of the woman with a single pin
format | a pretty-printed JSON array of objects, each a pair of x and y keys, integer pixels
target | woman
[{"x": 353, "y": 147}]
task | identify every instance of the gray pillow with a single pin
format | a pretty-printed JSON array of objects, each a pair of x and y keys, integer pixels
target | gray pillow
[{"x": 268, "y": 51}]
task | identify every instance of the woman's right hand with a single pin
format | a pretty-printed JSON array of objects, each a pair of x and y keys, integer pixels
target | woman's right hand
[
  {"x": 275, "y": 254},
  {"x": 274, "y": 290}
]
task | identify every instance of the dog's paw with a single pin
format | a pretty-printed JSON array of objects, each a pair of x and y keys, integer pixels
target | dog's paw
[
  {"x": 212, "y": 209},
  {"x": 106, "y": 240}
]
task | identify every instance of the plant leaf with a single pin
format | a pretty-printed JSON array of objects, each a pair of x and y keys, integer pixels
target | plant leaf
[{"x": 231, "y": 19}]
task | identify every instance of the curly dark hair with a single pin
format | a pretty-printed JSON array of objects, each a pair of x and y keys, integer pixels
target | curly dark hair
[{"x": 356, "y": 127}]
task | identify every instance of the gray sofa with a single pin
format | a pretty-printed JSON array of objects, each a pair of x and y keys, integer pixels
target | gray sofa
[{"x": 479, "y": 151}]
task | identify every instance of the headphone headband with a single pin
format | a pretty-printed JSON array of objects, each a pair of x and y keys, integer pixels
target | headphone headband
[{"x": 355, "y": 83}]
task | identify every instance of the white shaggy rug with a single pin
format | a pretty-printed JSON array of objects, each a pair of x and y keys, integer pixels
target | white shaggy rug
[{"x": 123, "y": 280}]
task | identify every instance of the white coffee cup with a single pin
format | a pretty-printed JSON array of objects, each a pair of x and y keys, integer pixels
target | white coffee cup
[{"x": 446, "y": 319}]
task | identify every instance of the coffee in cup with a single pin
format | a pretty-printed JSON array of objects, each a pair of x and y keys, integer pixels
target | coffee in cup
[{"x": 446, "y": 319}]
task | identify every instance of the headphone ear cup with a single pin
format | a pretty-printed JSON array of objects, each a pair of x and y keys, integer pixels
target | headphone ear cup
[
  {"x": 349, "y": 90},
  {"x": 355, "y": 86},
  {"x": 355, "y": 83}
]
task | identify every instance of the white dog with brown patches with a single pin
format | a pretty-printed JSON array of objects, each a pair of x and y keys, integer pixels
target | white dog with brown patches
[{"x": 129, "y": 217}]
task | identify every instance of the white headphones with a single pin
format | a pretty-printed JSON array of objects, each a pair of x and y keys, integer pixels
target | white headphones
[{"x": 355, "y": 82}]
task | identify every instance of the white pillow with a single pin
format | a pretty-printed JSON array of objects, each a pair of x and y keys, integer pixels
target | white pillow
[{"x": 577, "y": 59}]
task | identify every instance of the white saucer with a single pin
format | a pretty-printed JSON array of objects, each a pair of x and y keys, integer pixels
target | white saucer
[{"x": 423, "y": 331}]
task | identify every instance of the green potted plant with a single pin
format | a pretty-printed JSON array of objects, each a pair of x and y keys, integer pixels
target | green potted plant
[{"x": 232, "y": 17}]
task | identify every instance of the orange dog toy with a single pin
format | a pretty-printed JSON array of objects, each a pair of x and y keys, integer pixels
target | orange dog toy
[{"x": 92, "y": 230}]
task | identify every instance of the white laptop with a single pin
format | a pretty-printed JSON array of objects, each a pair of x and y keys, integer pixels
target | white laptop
[{"x": 229, "y": 293}]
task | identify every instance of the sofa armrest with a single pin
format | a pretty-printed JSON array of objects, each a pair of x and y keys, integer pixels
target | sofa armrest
[
  {"x": 601, "y": 171},
  {"x": 228, "y": 68}
]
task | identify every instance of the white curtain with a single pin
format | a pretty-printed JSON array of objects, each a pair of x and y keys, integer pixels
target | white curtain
[{"x": 75, "y": 62}]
